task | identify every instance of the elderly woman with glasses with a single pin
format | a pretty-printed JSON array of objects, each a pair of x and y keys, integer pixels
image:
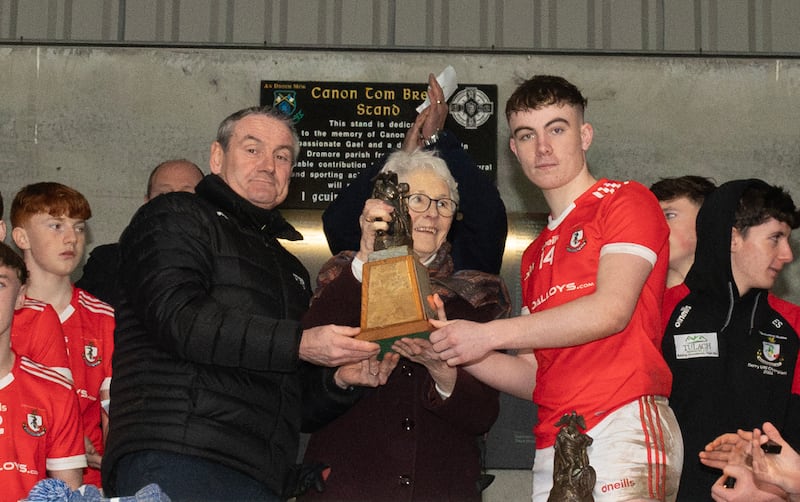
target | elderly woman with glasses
[{"x": 416, "y": 434}]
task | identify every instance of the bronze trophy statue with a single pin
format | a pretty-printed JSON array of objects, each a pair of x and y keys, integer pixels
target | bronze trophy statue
[
  {"x": 573, "y": 477},
  {"x": 388, "y": 189},
  {"x": 395, "y": 285}
]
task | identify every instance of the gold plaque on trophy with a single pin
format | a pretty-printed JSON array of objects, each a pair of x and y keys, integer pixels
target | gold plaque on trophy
[
  {"x": 394, "y": 299},
  {"x": 395, "y": 285}
]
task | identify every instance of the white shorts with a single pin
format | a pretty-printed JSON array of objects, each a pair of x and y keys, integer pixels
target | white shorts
[{"x": 637, "y": 453}]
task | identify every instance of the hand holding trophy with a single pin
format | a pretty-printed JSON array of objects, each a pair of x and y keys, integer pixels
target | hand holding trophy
[{"x": 395, "y": 285}]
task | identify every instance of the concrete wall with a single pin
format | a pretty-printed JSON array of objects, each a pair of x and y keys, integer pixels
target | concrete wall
[
  {"x": 649, "y": 26},
  {"x": 99, "y": 119}
]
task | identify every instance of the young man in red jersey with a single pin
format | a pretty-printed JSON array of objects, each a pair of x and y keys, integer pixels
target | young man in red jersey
[
  {"x": 592, "y": 285},
  {"x": 49, "y": 226},
  {"x": 40, "y": 431},
  {"x": 36, "y": 332}
]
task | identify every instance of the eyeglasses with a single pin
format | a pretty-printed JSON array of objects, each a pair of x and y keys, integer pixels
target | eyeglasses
[{"x": 419, "y": 203}]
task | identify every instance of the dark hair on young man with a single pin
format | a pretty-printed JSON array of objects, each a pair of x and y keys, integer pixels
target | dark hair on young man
[
  {"x": 694, "y": 188},
  {"x": 225, "y": 130},
  {"x": 1, "y": 206},
  {"x": 545, "y": 90},
  {"x": 761, "y": 201},
  {"x": 11, "y": 259},
  {"x": 48, "y": 197}
]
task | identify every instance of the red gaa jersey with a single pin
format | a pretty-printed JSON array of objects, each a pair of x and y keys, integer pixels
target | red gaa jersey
[
  {"x": 40, "y": 427},
  {"x": 36, "y": 334},
  {"x": 88, "y": 324},
  {"x": 560, "y": 266}
]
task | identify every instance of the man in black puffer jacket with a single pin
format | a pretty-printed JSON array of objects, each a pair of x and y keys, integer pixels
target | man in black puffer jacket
[{"x": 206, "y": 397}]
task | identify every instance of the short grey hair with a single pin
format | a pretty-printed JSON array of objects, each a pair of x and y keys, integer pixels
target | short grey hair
[
  {"x": 404, "y": 163},
  {"x": 225, "y": 130}
]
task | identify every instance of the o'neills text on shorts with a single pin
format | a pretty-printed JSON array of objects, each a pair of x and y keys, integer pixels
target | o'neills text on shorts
[{"x": 617, "y": 485}]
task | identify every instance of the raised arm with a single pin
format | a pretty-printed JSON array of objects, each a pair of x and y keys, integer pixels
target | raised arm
[{"x": 478, "y": 239}]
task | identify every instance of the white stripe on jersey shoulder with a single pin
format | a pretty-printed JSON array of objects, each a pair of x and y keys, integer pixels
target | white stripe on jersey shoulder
[
  {"x": 93, "y": 304},
  {"x": 630, "y": 248},
  {"x": 44, "y": 372},
  {"x": 34, "y": 304}
]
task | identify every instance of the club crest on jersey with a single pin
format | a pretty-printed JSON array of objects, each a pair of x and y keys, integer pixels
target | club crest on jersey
[
  {"x": 91, "y": 354},
  {"x": 576, "y": 242},
  {"x": 34, "y": 425},
  {"x": 770, "y": 353}
]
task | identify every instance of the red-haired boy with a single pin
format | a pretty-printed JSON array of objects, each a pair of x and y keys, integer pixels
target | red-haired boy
[
  {"x": 49, "y": 226},
  {"x": 36, "y": 331}
]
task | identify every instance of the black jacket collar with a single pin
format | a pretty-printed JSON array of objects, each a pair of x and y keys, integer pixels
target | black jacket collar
[{"x": 270, "y": 221}]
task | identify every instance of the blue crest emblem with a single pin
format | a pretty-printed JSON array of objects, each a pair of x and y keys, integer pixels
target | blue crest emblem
[{"x": 285, "y": 101}]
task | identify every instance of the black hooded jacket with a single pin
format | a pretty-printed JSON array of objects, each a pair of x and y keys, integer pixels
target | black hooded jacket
[
  {"x": 208, "y": 332},
  {"x": 732, "y": 357}
]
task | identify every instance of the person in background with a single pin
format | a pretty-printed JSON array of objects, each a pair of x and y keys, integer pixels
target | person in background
[
  {"x": 731, "y": 345},
  {"x": 207, "y": 392},
  {"x": 49, "y": 226},
  {"x": 415, "y": 437},
  {"x": 178, "y": 175},
  {"x": 592, "y": 287},
  {"x": 40, "y": 423},
  {"x": 101, "y": 271},
  {"x": 680, "y": 199},
  {"x": 478, "y": 233}
]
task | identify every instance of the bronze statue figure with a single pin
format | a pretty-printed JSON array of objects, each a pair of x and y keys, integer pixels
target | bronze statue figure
[
  {"x": 573, "y": 477},
  {"x": 388, "y": 189}
]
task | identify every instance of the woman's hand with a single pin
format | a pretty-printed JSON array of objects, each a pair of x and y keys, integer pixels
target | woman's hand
[
  {"x": 421, "y": 351},
  {"x": 367, "y": 373},
  {"x": 430, "y": 120},
  {"x": 375, "y": 217}
]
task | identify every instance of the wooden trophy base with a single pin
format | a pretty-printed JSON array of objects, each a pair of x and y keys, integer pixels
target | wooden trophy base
[{"x": 394, "y": 304}]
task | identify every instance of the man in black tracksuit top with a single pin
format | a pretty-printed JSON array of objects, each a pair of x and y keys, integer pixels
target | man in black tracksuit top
[
  {"x": 206, "y": 397},
  {"x": 731, "y": 345}
]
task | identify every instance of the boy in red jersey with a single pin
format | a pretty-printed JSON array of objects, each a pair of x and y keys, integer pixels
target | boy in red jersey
[
  {"x": 592, "y": 285},
  {"x": 40, "y": 431},
  {"x": 49, "y": 226},
  {"x": 36, "y": 332}
]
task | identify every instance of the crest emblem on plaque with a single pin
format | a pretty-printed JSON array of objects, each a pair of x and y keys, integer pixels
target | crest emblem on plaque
[
  {"x": 471, "y": 107},
  {"x": 285, "y": 101}
]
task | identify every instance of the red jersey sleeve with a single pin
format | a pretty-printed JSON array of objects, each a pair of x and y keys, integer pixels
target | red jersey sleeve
[{"x": 36, "y": 334}]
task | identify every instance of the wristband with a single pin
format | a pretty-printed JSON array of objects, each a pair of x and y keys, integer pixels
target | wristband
[{"x": 434, "y": 138}]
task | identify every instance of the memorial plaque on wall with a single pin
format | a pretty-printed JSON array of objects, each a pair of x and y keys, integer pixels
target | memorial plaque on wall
[{"x": 346, "y": 126}]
